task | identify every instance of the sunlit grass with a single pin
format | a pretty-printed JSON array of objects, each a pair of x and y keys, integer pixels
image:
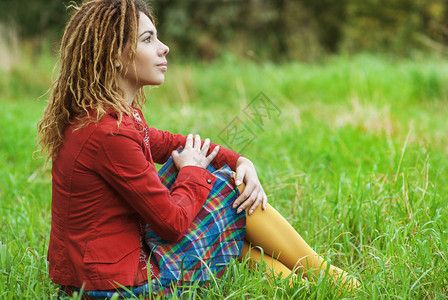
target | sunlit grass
[{"x": 356, "y": 161}]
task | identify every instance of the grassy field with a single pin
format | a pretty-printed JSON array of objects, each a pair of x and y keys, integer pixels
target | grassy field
[{"x": 352, "y": 151}]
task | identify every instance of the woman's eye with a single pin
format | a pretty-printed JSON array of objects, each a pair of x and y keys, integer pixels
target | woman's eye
[{"x": 147, "y": 40}]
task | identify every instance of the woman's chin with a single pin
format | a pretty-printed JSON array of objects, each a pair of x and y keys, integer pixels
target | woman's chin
[{"x": 158, "y": 81}]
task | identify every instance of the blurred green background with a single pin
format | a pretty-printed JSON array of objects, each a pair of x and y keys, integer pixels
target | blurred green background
[{"x": 264, "y": 29}]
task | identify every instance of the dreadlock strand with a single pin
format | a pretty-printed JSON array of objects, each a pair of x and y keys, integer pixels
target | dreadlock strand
[
  {"x": 98, "y": 47},
  {"x": 123, "y": 9}
]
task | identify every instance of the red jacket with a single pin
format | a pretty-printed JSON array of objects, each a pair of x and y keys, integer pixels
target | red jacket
[{"x": 104, "y": 181}]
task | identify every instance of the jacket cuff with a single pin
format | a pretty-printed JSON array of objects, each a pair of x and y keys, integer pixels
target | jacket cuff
[
  {"x": 228, "y": 157},
  {"x": 233, "y": 160},
  {"x": 197, "y": 175}
]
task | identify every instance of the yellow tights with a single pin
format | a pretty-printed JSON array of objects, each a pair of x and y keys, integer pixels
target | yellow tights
[{"x": 284, "y": 249}]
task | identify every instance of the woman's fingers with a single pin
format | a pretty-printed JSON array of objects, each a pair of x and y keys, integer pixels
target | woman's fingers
[
  {"x": 252, "y": 196},
  {"x": 197, "y": 142},
  {"x": 205, "y": 147},
  {"x": 257, "y": 202},
  {"x": 212, "y": 155},
  {"x": 251, "y": 200},
  {"x": 189, "y": 142},
  {"x": 264, "y": 201},
  {"x": 246, "y": 198},
  {"x": 195, "y": 153},
  {"x": 240, "y": 174}
]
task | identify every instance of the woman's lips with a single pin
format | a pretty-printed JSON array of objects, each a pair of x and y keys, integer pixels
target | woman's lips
[{"x": 163, "y": 66}]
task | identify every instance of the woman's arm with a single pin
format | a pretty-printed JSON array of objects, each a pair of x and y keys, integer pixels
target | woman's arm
[
  {"x": 124, "y": 162},
  {"x": 246, "y": 173}
]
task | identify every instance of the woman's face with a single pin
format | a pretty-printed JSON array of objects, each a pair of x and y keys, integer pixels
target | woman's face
[{"x": 150, "y": 58}]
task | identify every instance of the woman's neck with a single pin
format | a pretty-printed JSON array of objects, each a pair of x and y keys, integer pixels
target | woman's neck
[{"x": 129, "y": 90}]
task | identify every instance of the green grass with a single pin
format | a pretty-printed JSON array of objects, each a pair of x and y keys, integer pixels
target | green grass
[{"x": 356, "y": 161}]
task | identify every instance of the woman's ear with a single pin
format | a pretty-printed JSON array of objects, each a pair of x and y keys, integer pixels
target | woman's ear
[{"x": 117, "y": 64}]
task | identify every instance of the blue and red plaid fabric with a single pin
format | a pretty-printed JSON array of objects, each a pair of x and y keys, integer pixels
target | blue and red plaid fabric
[{"x": 213, "y": 239}]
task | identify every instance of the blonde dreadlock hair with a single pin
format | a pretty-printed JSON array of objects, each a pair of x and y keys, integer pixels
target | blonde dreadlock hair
[{"x": 93, "y": 41}]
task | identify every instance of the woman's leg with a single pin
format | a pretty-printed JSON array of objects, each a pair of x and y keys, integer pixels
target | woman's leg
[
  {"x": 270, "y": 231},
  {"x": 275, "y": 268}
]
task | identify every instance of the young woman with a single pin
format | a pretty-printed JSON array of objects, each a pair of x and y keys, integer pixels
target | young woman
[{"x": 114, "y": 223}]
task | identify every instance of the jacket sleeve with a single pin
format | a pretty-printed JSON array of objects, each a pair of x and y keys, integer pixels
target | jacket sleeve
[
  {"x": 162, "y": 143},
  {"x": 122, "y": 162}
]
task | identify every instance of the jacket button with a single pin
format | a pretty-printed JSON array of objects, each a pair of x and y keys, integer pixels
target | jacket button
[{"x": 209, "y": 181}]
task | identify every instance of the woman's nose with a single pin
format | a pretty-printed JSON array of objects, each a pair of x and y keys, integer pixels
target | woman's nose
[{"x": 164, "y": 49}]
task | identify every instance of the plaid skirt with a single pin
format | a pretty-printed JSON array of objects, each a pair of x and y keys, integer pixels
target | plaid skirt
[{"x": 213, "y": 239}]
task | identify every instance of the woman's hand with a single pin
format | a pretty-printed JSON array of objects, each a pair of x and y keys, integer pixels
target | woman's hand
[
  {"x": 193, "y": 154},
  {"x": 253, "y": 193}
]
